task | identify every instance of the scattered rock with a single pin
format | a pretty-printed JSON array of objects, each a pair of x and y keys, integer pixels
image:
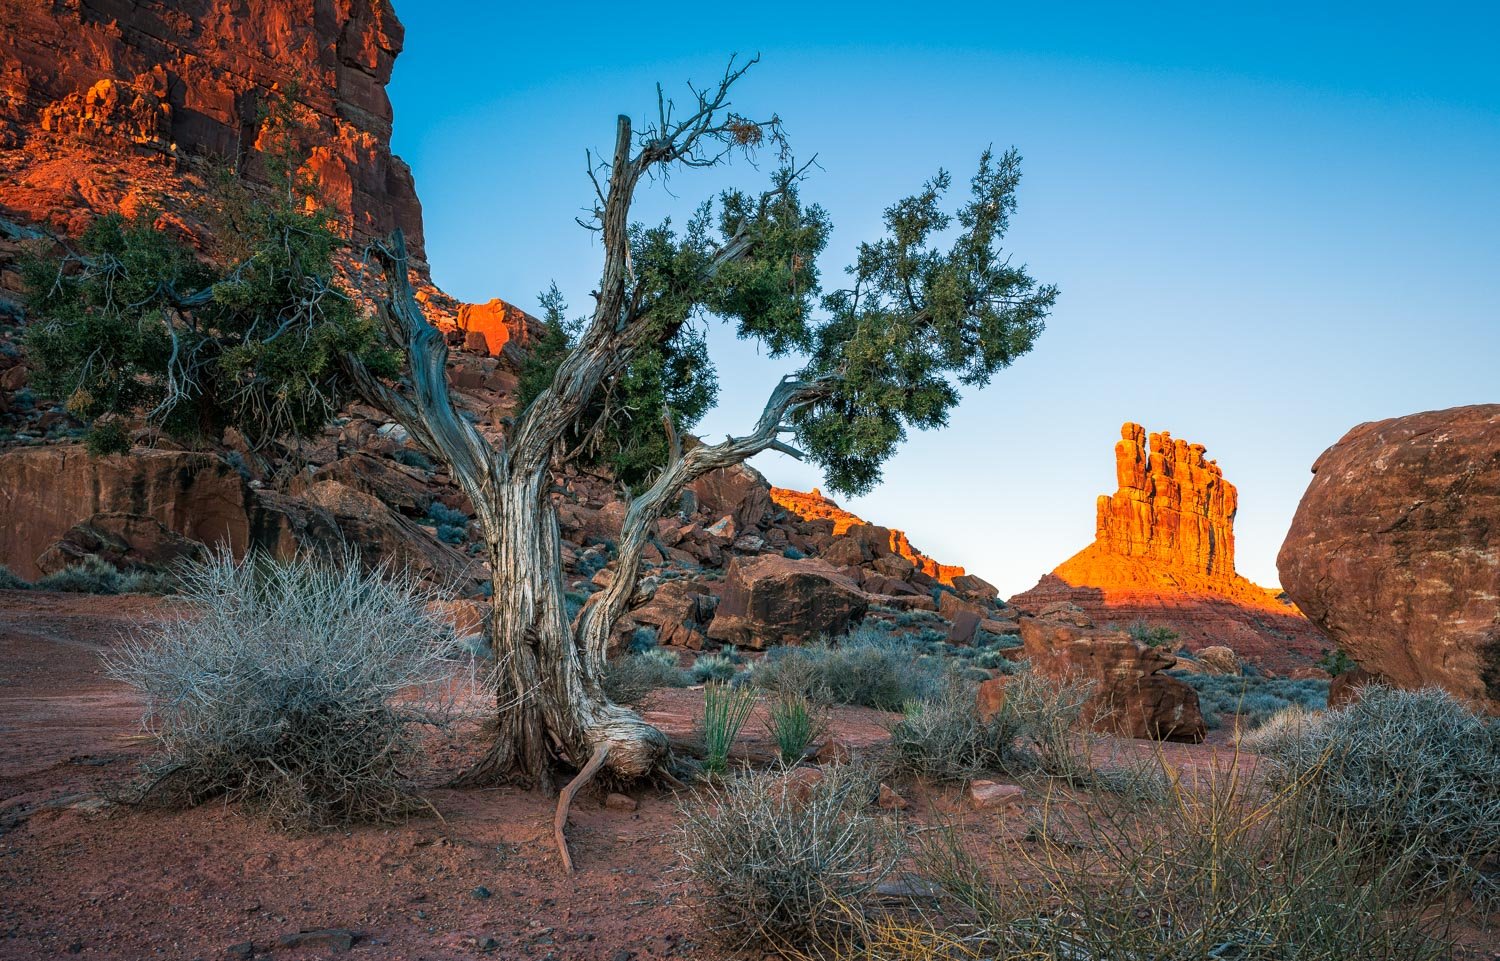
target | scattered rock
[
  {"x": 1133, "y": 697},
  {"x": 989, "y": 796},
  {"x": 331, "y": 940},
  {"x": 889, "y": 799},
  {"x": 990, "y": 698}
]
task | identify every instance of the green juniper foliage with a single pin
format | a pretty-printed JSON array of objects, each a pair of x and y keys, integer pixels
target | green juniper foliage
[
  {"x": 134, "y": 323},
  {"x": 920, "y": 321}
]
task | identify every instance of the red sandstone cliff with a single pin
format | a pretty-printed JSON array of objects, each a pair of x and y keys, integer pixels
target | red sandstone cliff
[
  {"x": 814, "y": 506},
  {"x": 1163, "y": 553}
]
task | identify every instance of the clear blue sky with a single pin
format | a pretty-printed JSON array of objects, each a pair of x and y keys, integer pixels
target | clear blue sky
[{"x": 1268, "y": 224}]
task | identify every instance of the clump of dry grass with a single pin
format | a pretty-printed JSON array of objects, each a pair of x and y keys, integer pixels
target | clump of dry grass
[
  {"x": 1221, "y": 868},
  {"x": 1038, "y": 728},
  {"x": 785, "y": 862},
  {"x": 297, "y": 687}
]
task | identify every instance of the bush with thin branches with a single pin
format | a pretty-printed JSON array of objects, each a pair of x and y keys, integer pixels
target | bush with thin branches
[
  {"x": 298, "y": 687},
  {"x": 1413, "y": 772},
  {"x": 628, "y": 679},
  {"x": 784, "y": 862},
  {"x": 1220, "y": 868},
  {"x": 867, "y": 669}
]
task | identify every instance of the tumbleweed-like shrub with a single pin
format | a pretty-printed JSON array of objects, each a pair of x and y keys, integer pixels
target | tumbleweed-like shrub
[
  {"x": 628, "y": 679},
  {"x": 1405, "y": 771},
  {"x": 298, "y": 687},
  {"x": 782, "y": 860}
]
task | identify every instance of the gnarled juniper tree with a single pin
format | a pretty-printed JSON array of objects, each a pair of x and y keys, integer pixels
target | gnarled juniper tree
[{"x": 931, "y": 307}]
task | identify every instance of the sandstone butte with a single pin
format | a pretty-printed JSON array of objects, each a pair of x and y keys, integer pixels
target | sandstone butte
[
  {"x": 1163, "y": 553},
  {"x": 812, "y": 505},
  {"x": 134, "y": 107}
]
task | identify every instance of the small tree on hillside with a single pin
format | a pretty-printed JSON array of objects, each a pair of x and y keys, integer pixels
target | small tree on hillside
[{"x": 931, "y": 307}]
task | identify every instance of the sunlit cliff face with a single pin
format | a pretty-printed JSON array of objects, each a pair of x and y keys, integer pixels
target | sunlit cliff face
[
  {"x": 814, "y": 506},
  {"x": 1163, "y": 553}
]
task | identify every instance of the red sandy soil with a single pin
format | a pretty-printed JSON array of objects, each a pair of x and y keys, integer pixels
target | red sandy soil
[{"x": 80, "y": 876}]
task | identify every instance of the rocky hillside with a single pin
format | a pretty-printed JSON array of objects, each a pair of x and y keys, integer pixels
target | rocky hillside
[
  {"x": 1163, "y": 553},
  {"x": 140, "y": 106}
]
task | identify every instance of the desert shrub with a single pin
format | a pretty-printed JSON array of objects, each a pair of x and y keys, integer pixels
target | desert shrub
[
  {"x": 642, "y": 639},
  {"x": 628, "y": 679},
  {"x": 10, "y": 582},
  {"x": 93, "y": 576},
  {"x": 412, "y": 458},
  {"x": 1251, "y": 698},
  {"x": 1037, "y": 728},
  {"x": 784, "y": 862},
  {"x": 944, "y": 738},
  {"x": 793, "y": 554},
  {"x": 867, "y": 668},
  {"x": 1335, "y": 662},
  {"x": 1048, "y": 715},
  {"x": 720, "y": 666},
  {"x": 452, "y": 525},
  {"x": 1151, "y": 635},
  {"x": 1412, "y": 773},
  {"x": 1218, "y": 869},
  {"x": 298, "y": 687},
  {"x": 795, "y": 723},
  {"x": 725, "y": 709}
]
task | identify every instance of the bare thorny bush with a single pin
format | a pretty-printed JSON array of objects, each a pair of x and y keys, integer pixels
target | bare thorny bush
[
  {"x": 1038, "y": 728},
  {"x": 1221, "y": 867},
  {"x": 301, "y": 688},
  {"x": 1411, "y": 772},
  {"x": 784, "y": 862}
]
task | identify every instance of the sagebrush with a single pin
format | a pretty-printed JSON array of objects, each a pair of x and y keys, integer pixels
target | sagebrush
[
  {"x": 1408, "y": 771},
  {"x": 298, "y": 687},
  {"x": 781, "y": 861}
]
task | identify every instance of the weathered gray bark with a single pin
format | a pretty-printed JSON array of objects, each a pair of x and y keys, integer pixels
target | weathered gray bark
[{"x": 551, "y": 706}]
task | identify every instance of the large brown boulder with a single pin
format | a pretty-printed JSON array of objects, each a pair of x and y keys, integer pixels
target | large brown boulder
[
  {"x": 1133, "y": 697},
  {"x": 1395, "y": 550},
  {"x": 45, "y": 491},
  {"x": 330, "y": 516},
  {"x": 771, "y": 599},
  {"x": 126, "y": 541}
]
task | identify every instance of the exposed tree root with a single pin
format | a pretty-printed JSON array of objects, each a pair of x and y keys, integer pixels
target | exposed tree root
[{"x": 565, "y": 800}]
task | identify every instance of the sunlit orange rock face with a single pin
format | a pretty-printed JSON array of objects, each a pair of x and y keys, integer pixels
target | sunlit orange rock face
[
  {"x": 130, "y": 106},
  {"x": 498, "y": 323},
  {"x": 1163, "y": 553},
  {"x": 814, "y": 506}
]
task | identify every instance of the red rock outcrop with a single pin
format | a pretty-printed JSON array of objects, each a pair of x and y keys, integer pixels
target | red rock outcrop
[
  {"x": 1133, "y": 696},
  {"x": 106, "y": 104},
  {"x": 45, "y": 491},
  {"x": 1395, "y": 550},
  {"x": 771, "y": 600},
  {"x": 500, "y": 324},
  {"x": 1163, "y": 553},
  {"x": 813, "y": 505}
]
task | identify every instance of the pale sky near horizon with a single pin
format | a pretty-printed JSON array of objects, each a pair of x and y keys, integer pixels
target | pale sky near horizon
[{"x": 1267, "y": 225}]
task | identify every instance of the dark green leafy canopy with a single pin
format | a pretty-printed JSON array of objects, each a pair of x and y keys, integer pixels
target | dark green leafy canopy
[
  {"x": 135, "y": 323},
  {"x": 920, "y": 321}
]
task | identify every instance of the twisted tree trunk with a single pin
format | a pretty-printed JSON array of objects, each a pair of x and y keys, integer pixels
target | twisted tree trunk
[{"x": 550, "y": 704}]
